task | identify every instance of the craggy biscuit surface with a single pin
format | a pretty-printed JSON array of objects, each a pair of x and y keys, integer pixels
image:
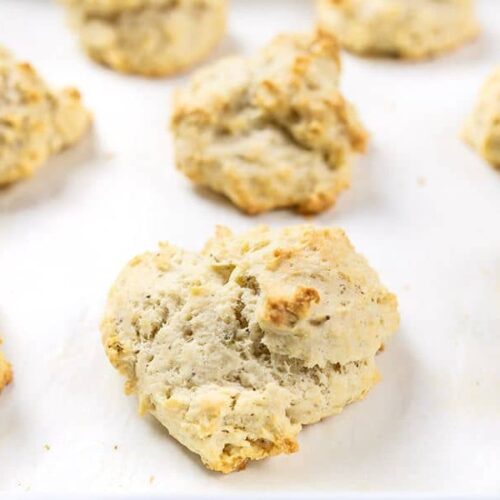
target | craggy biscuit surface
[
  {"x": 35, "y": 122},
  {"x": 270, "y": 131},
  {"x": 482, "y": 129},
  {"x": 148, "y": 37},
  {"x": 410, "y": 29},
  {"x": 5, "y": 371},
  {"x": 235, "y": 348}
]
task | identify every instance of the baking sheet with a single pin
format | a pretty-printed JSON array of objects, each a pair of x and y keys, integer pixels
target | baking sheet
[{"x": 423, "y": 208}]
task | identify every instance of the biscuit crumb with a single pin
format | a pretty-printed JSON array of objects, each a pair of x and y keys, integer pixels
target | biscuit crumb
[
  {"x": 148, "y": 37},
  {"x": 234, "y": 373},
  {"x": 400, "y": 29},
  {"x": 5, "y": 371},
  {"x": 270, "y": 131},
  {"x": 36, "y": 122},
  {"x": 482, "y": 129}
]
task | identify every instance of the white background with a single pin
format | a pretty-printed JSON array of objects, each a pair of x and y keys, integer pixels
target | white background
[{"x": 423, "y": 208}]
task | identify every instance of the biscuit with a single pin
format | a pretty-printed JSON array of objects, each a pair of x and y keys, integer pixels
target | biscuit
[
  {"x": 270, "y": 131},
  {"x": 235, "y": 348},
  {"x": 148, "y": 37},
  {"x": 35, "y": 121},
  {"x": 408, "y": 29},
  {"x": 482, "y": 129},
  {"x": 5, "y": 371}
]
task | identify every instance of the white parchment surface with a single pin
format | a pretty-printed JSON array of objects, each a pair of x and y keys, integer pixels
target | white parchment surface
[{"x": 423, "y": 208}]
